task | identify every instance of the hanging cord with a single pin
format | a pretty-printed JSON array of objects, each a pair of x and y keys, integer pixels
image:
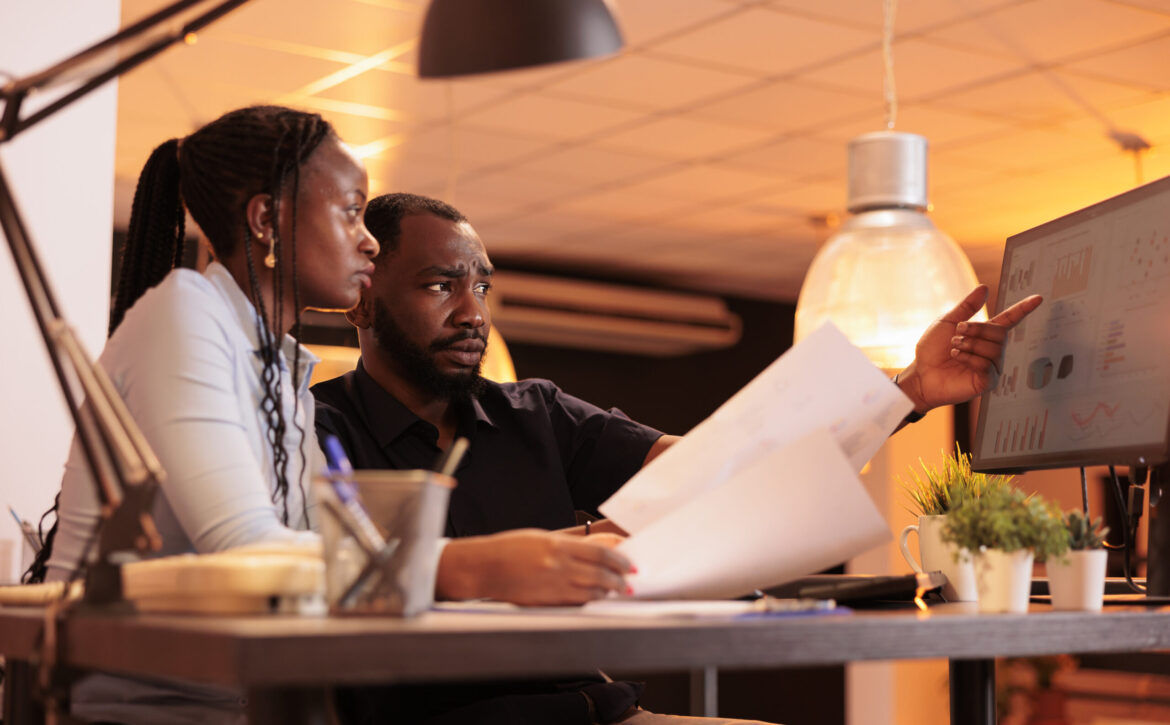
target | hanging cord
[
  {"x": 1084, "y": 493},
  {"x": 1128, "y": 533},
  {"x": 890, "y": 90}
]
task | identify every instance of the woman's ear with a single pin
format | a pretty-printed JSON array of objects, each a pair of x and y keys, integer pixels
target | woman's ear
[
  {"x": 260, "y": 220},
  {"x": 360, "y": 316}
]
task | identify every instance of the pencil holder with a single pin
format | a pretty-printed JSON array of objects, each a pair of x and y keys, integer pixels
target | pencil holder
[{"x": 388, "y": 568}]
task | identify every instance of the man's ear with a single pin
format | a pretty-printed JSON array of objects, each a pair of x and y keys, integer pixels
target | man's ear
[{"x": 361, "y": 316}]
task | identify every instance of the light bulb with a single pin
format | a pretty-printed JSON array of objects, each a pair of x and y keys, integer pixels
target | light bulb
[{"x": 888, "y": 272}]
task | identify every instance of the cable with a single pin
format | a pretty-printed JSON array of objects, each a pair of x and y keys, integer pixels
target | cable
[
  {"x": 1125, "y": 533},
  {"x": 1084, "y": 493},
  {"x": 891, "y": 95}
]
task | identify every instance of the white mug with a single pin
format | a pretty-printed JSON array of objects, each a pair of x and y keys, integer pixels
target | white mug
[{"x": 938, "y": 555}]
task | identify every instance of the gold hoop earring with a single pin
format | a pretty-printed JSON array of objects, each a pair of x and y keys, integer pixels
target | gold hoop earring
[{"x": 270, "y": 260}]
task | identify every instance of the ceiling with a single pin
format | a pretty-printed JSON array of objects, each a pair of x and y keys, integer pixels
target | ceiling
[{"x": 710, "y": 152}]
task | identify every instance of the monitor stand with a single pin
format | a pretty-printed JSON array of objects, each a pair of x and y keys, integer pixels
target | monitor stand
[{"x": 1158, "y": 540}]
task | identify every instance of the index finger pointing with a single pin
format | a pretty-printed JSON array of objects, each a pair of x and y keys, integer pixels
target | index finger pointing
[
  {"x": 969, "y": 306},
  {"x": 1012, "y": 315}
]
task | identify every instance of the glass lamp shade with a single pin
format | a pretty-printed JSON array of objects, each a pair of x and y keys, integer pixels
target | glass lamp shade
[
  {"x": 464, "y": 37},
  {"x": 883, "y": 278}
]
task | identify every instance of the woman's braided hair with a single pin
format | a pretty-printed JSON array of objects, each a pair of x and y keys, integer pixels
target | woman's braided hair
[{"x": 214, "y": 173}]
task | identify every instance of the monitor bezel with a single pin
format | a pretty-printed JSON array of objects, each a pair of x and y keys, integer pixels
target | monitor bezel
[{"x": 1151, "y": 454}]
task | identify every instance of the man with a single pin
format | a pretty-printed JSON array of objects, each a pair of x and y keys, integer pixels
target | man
[{"x": 536, "y": 453}]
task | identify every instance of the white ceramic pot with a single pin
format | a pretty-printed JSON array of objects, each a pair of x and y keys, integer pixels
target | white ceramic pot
[
  {"x": 1004, "y": 580},
  {"x": 1077, "y": 580},
  {"x": 938, "y": 555}
]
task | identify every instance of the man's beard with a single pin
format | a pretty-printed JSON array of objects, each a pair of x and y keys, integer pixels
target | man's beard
[{"x": 418, "y": 363}]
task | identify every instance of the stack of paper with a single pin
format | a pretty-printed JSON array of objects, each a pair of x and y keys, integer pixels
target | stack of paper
[{"x": 766, "y": 489}]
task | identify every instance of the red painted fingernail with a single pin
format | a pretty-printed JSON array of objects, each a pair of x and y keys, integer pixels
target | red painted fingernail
[
  {"x": 629, "y": 591},
  {"x": 633, "y": 569}
]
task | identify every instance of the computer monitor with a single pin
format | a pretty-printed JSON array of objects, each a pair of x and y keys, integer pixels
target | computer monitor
[{"x": 1086, "y": 377}]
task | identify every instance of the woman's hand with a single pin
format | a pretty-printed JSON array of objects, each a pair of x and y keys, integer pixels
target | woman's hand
[{"x": 532, "y": 567}]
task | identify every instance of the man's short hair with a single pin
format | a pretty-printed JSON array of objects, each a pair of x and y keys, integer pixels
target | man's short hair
[{"x": 384, "y": 216}]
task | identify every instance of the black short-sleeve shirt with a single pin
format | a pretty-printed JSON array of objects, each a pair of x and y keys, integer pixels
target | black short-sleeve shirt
[{"x": 536, "y": 454}]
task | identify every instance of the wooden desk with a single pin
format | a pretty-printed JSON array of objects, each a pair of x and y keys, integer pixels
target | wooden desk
[{"x": 275, "y": 658}]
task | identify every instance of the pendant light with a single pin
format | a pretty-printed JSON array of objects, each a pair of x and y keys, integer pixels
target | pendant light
[
  {"x": 888, "y": 272},
  {"x": 464, "y": 37}
]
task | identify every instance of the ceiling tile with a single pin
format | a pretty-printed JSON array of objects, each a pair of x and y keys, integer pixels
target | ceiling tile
[
  {"x": 554, "y": 118},
  {"x": 527, "y": 230},
  {"x": 735, "y": 220},
  {"x": 464, "y": 148},
  {"x": 807, "y": 199},
  {"x": 682, "y": 138},
  {"x": 1032, "y": 149},
  {"x": 514, "y": 186},
  {"x": 910, "y": 15},
  {"x": 1160, "y": 6},
  {"x": 795, "y": 158},
  {"x": 650, "y": 83},
  {"x": 1143, "y": 63},
  {"x": 411, "y": 99},
  {"x": 940, "y": 127},
  {"x": 618, "y": 205},
  {"x": 1040, "y": 97},
  {"x": 644, "y": 21},
  {"x": 767, "y": 41},
  {"x": 1150, "y": 119},
  {"x": 344, "y": 25},
  {"x": 217, "y": 61},
  {"x": 705, "y": 181},
  {"x": 1071, "y": 28},
  {"x": 785, "y": 107},
  {"x": 921, "y": 68},
  {"x": 590, "y": 166}
]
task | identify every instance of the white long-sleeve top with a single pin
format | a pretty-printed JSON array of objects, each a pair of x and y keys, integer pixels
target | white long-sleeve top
[{"x": 185, "y": 360}]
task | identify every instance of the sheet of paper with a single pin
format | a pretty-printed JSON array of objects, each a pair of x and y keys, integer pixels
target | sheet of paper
[
  {"x": 824, "y": 382},
  {"x": 794, "y": 511}
]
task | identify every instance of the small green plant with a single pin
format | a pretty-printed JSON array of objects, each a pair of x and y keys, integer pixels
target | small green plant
[
  {"x": 1007, "y": 519},
  {"x": 1083, "y": 533},
  {"x": 936, "y": 491}
]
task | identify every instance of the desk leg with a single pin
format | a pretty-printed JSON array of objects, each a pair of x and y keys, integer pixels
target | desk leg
[
  {"x": 289, "y": 706},
  {"x": 705, "y": 692},
  {"x": 972, "y": 692}
]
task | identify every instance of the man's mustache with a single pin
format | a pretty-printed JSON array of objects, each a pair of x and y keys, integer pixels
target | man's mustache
[{"x": 447, "y": 342}]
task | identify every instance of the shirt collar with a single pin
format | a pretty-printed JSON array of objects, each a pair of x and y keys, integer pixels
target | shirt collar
[
  {"x": 246, "y": 317},
  {"x": 388, "y": 417}
]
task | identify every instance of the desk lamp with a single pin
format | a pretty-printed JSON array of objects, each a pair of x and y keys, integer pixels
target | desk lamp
[{"x": 125, "y": 470}]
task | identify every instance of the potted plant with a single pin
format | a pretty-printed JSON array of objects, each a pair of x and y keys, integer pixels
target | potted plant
[
  {"x": 934, "y": 492},
  {"x": 1076, "y": 579},
  {"x": 1005, "y": 530}
]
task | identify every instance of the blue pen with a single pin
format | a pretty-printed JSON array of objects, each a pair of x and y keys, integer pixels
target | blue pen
[
  {"x": 340, "y": 470},
  {"x": 29, "y": 535}
]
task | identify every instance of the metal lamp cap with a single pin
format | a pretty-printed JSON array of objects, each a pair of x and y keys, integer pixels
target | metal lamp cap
[{"x": 887, "y": 170}]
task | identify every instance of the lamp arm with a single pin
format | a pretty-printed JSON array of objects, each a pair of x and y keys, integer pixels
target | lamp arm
[
  {"x": 16, "y": 91},
  {"x": 126, "y": 473}
]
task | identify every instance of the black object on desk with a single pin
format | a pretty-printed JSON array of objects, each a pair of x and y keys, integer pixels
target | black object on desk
[{"x": 864, "y": 590}]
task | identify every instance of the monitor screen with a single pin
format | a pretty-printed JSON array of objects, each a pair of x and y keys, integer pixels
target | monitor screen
[{"x": 1086, "y": 376}]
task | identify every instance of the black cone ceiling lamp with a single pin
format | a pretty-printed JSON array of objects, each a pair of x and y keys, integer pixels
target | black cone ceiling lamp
[{"x": 465, "y": 37}]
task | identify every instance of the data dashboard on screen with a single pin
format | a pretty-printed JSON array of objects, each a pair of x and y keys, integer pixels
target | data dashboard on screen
[{"x": 1086, "y": 376}]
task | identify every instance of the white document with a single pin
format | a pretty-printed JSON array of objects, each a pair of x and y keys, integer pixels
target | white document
[
  {"x": 822, "y": 383},
  {"x": 793, "y": 511}
]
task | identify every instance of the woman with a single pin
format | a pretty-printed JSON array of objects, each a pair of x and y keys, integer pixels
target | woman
[{"x": 205, "y": 363}]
